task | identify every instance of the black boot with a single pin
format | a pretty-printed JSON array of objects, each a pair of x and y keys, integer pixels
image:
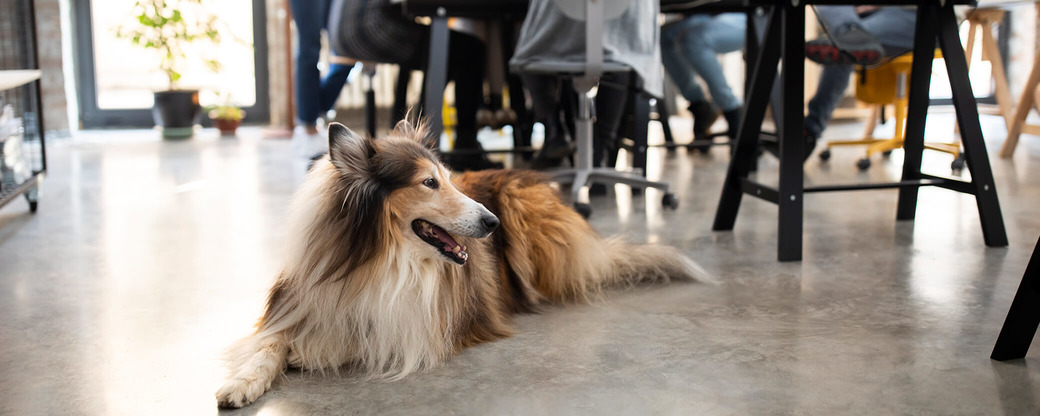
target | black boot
[
  {"x": 732, "y": 121},
  {"x": 704, "y": 115},
  {"x": 554, "y": 148}
]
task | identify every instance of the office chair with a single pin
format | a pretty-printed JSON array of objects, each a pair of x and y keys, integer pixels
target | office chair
[{"x": 585, "y": 76}]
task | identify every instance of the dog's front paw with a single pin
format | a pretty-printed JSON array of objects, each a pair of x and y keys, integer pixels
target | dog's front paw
[{"x": 239, "y": 392}]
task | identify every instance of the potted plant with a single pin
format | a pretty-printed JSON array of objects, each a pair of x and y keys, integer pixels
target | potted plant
[
  {"x": 226, "y": 117},
  {"x": 167, "y": 26}
]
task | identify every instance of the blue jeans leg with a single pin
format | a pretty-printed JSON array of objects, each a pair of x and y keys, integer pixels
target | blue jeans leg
[
  {"x": 723, "y": 34},
  {"x": 313, "y": 95},
  {"x": 892, "y": 26},
  {"x": 333, "y": 84},
  {"x": 829, "y": 91},
  {"x": 671, "y": 56}
]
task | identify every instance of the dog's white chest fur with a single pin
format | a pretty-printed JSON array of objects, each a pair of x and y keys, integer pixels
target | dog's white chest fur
[{"x": 392, "y": 327}]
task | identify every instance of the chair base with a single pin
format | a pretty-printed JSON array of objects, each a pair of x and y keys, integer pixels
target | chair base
[{"x": 584, "y": 174}]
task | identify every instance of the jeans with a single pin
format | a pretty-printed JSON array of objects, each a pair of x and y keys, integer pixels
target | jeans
[
  {"x": 894, "y": 29},
  {"x": 689, "y": 48},
  {"x": 314, "y": 95}
]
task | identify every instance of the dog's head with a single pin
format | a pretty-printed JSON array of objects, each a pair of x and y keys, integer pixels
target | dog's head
[{"x": 399, "y": 179}]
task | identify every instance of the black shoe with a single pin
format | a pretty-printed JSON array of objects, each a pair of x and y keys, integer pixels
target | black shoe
[
  {"x": 773, "y": 147},
  {"x": 704, "y": 115},
  {"x": 732, "y": 121},
  {"x": 551, "y": 154},
  {"x": 853, "y": 46}
]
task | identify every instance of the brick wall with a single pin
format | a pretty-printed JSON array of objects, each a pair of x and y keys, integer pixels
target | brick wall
[{"x": 49, "y": 49}]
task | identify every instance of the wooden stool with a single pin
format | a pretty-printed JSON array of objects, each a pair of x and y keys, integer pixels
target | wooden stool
[
  {"x": 982, "y": 21},
  {"x": 881, "y": 86}
]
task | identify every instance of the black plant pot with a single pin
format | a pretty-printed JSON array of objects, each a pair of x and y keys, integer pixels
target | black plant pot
[{"x": 177, "y": 112}]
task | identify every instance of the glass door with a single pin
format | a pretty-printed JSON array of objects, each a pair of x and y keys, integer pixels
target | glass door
[{"x": 116, "y": 79}]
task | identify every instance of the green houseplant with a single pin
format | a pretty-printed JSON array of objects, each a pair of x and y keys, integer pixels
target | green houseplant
[
  {"x": 226, "y": 117},
  {"x": 168, "y": 26}
]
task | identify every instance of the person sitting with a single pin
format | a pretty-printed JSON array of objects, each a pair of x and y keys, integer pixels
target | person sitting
[
  {"x": 633, "y": 38},
  {"x": 856, "y": 35},
  {"x": 689, "y": 49},
  {"x": 376, "y": 30}
]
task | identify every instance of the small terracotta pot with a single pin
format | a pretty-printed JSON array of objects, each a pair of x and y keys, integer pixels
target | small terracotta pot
[{"x": 227, "y": 127}]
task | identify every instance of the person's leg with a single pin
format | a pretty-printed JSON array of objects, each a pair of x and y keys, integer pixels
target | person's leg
[
  {"x": 333, "y": 84},
  {"x": 466, "y": 69},
  {"x": 829, "y": 91},
  {"x": 610, "y": 104},
  {"x": 846, "y": 40},
  {"x": 723, "y": 34},
  {"x": 545, "y": 101},
  {"x": 837, "y": 18},
  {"x": 673, "y": 37},
  {"x": 674, "y": 47},
  {"x": 893, "y": 27},
  {"x": 309, "y": 21}
]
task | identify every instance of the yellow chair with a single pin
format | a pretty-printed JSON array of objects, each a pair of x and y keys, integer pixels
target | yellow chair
[{"x": 884, "y": 85}]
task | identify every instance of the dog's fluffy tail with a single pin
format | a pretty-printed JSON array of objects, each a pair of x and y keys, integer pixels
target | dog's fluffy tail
[
  {"x": 260, "y": 359},
  {"x": 556, "y": 254},
  {"x": 635, "y": 263}
]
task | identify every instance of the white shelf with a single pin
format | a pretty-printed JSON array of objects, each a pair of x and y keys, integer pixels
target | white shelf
[{"x": 16, "y": 78}]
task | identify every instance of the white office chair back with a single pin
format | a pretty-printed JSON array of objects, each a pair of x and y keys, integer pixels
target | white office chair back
[
  {"x": 575, "y": 9},
  {"x": 594, "y": 13}
]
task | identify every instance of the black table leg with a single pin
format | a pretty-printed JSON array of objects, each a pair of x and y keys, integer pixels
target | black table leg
[
  {"x": 1024, "y": 315},
  {"x": 436, "y": 75},
  {"x": 370, "y": 106},
  {"x": 404, "y": 75},
  {"x": 917, "y": 108},
  {"x": 746, "y": 144},
  {"x": 792, "y": 145},
  {"x": 971, "y": 130}
]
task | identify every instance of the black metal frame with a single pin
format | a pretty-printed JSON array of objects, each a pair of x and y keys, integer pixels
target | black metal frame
[
  {"x": 91, "y": 116},
  {"x": 1024, "y": 315},
  {"x": 785, "y": 44},
  {"x": 30, "y": 186}
]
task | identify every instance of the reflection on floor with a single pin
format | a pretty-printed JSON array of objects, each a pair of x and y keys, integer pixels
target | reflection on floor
[{"x": 147, "y": 258}]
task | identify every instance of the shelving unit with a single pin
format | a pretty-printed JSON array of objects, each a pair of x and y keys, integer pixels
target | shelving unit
[{"x": 23, "y": 160}]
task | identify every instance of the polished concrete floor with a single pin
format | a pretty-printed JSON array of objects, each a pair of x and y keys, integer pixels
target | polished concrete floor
[{"x": 147, "y": 258}]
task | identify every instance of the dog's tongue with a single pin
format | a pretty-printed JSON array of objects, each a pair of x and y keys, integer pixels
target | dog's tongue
[{"x": 450, "y": 245}]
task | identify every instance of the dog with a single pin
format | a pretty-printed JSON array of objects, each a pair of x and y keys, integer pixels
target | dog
[{"x": 392, "y": 266}]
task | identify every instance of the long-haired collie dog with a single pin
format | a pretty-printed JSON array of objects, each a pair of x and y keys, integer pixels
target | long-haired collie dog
[{"x": 391, "y": 265}]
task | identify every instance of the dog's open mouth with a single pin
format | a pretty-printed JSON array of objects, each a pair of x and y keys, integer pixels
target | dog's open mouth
[{"x": 441, "y": 240}]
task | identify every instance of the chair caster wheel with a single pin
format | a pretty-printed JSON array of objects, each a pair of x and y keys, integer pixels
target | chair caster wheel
[
  {"x": 863, "y": 164},
  {"x": 957, "y": 165},
  {"x": 825, "y": 155},
  {"x": 585, "y": 210},
  {"x": 669, "y": 200}
]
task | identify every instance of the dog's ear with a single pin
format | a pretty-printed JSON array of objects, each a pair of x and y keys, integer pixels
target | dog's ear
[{"x": 348, "y": 151}]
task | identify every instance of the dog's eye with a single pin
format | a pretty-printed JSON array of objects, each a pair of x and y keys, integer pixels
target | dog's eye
[{"x": 430, "y": 183}]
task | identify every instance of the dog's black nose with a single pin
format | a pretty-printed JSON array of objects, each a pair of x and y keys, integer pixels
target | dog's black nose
[{"x": 490, "y": 222}]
